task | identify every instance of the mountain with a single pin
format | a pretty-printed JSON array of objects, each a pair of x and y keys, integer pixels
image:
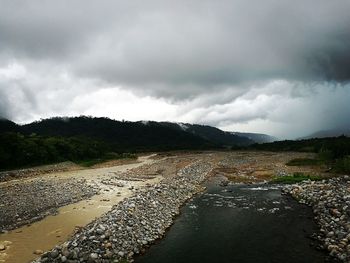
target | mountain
[
  {"x": 136, "y": 136},
  {"x": 329, "y": 133},
  {"x": 121, "y": 136},
  {"x": 8, "y": 126},
  {"x": 212, "y": 134},
  {"x": 257, "y": 137},
  {"x": 86, "y": 138}
]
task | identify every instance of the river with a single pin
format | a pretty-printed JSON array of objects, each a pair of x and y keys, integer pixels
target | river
[{"x": 239, "y": 223}]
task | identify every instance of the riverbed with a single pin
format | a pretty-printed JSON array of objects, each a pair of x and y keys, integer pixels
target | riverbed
[
  {"x": 21, "y": 243},
  {"x": 239, "y": 223}
]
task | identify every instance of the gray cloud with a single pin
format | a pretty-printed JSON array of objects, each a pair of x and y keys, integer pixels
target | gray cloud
[
  {"x": 214, "y": 62},
  {"x": 202, "y": 43}
]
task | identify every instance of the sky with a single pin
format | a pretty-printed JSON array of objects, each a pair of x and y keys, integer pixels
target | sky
[{"x": 279, "y": 67}]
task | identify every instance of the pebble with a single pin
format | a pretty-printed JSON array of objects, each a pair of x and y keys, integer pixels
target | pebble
[
  {"x": 24, "y": 203},
  {"x": 329, "y": 200},
  {"x": 136, "y": 222},
  {"x": 94, "y": 256}
]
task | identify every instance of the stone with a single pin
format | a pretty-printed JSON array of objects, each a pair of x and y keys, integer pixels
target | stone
[
  {"x": 146, "y": 215},
  {"x": 54, "y": 254},
  {"x": 99, "y": 231}
]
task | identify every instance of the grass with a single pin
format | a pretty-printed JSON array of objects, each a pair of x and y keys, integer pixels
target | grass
[
  {"x": 304, "y": 162},
  {"x": 296, "y": 178},
  {"x": 342, "y": 166},
  {"x": 107, "y": 157}
]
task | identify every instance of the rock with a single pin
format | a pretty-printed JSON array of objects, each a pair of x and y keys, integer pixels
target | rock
[
  {"x": 224, "y": 182},
  {"x": 329, "y": 199},
  {"x": 134, "y": 223},
  {"x": 54, "y": 254},
  {"x": 99, "y": 231},
  {"x": 2, "y": 247},
  {"x": 93, "y": 256}
]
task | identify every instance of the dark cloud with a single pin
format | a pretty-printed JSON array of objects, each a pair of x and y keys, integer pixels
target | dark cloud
[
  {"x": 216, "y": 62},
  {"x": 204, "y": 43},
  {"x": 4, "y": 107}
]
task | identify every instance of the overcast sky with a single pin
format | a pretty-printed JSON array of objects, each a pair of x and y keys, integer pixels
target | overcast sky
[{"x": 274, "y": 66}]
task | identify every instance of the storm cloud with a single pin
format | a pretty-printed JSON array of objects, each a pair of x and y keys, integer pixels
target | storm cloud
[{"x": 275, "y": 66}]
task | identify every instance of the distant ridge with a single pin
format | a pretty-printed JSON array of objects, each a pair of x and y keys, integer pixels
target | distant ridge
[
  {"x": 8, "y": 126},
  {"x": 212, "y": 134},
  {"x": 257, "y": 137},
  {"x": 328, "y": 133},
  {"x": 139, "y": 135}
]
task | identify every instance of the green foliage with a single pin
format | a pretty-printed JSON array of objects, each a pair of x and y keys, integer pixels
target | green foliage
[
  {"x": 88, "y": 140},
  {"x": 303, "y": 162},
  {"x": 121, "y": 136},
  {"x": 338, "y": 146},
  {"x": 332, "y": 151},
  {"x": 342, "y": 165},
  {"x": 213, "y": 134},
  {"x": 18, "y": 150},
  {"x": 295, "y": 178}
]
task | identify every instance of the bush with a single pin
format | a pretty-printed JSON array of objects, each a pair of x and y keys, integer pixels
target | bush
[
  {"x": 342, "y": 165},
  {"x": 295, "y": 178},
  {"x": 18, "y": 150}
]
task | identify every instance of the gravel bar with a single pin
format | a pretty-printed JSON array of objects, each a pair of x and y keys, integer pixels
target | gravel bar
[
  {"x": 330, "y": 200},
  {"x": 24, "y": 203},
  {"x": 133, "y": 224}
]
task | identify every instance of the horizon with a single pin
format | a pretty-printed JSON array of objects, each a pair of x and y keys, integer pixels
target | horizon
[
  {"x": 224, "y": 64},
  {"x": 123, "y": 120}
]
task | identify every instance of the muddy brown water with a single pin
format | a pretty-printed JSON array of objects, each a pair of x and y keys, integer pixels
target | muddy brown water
[{"x": 55, "y": 229}]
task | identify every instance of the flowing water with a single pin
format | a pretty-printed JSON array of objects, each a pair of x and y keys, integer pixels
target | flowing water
[
  {"x": 239, "y": 223},
  {"x": 52, "y": 230}
]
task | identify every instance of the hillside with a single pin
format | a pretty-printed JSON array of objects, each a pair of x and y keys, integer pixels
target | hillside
[
  {"x": 86, "y": 138},
  {"x": 256, "y": 137},
  {"x": 141, "y": 135},
  {"x": 212, "y": 134},
  {"x": 8, "y": 126},
  {"x": 121, "y": 136},
  {"x": 328, "y": 133}
]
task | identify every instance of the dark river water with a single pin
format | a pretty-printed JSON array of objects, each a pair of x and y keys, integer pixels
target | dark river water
[{"x": 238, "y": 223}]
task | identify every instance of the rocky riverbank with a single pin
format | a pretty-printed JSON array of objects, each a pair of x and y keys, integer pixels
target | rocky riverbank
[
  {"x": 24, "y": 203},
  {"x": 39, "y": 170},
  {"x": 330, "y": 200},
  {"x": 133, "y": 224}
]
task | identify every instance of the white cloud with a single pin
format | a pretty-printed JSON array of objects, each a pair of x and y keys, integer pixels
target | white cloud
[{"x": 122, "y": 104}]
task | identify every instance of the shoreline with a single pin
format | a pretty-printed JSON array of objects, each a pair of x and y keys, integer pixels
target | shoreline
[
  {"x": 128, "y": 228},
  {"x": 43, "y": 195},
  {"x": 46, "y": 201},
  {"x": 330, "y": 203},
  {"x": 135, "y": 223}
]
